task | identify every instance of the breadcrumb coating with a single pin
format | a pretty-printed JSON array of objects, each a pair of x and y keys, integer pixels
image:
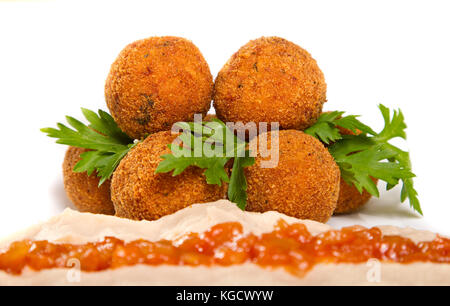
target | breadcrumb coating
[
  {"x": 83, "y": 190},
  {"x": 138, "y": 193},
  {"x": 304, "y": 184},
  {"x": 350, "y": 200},
  {"x": 156, "y": 82},
  {"x": 270, "y": 79}
]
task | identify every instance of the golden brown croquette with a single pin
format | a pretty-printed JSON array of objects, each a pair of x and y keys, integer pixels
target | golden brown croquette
[
  {"x": 350, "y": 200},
  {"x": 82, "y": 189},
  {"x": 270, "y": 79},
  {"x": 304, "y": 184},
  {"x": 156, "y": 82},
  {"x": 139, "y": 193}
]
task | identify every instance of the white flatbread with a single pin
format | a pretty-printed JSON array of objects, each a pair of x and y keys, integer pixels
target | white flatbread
[{"x": 75, "y": 227}]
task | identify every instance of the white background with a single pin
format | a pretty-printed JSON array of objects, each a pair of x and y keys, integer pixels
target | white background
[{"x": 55, "y": 55}]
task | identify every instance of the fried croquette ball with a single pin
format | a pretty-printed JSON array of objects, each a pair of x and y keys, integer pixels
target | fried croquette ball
[
  {"x": 138, "y": 193},
  {"x": 83, "y": 190},
  {"x": 350, "y": 200},
  {"x": 270, "y": 79},
  {"x": 156, "y": 82},
  {"x": 305, "y": 182}
]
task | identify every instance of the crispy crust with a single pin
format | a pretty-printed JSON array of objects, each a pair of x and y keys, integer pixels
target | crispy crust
[
  {"x": 304, "y": 184},
  {"x": 270, "y": 79},
  {"x": 350, "y": 200},
  {"x": 82, "y": 189},
  {"x": 138, "y": 193},
  {"x": 156, "y": 82}
]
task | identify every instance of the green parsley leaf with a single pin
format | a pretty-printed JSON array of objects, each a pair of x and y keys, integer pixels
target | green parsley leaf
[
  {"x": 237, "y": 189},
  {"x": 105, "y": 124},
  {"x": 210, "y": 145},
  {"x": 325, "y": 129},
  {"x": 351, "y": 123},
  {"x": 367, "y": 163},
  {"x": 394, "y": 127},
  {"x": 108, "y": 144},
  {"x": 408, "y": 191},
  {"x": 367, "y": 153},
  {"x": 214, "y": 173}
]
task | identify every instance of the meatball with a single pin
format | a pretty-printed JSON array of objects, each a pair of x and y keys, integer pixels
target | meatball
[
  {"x": 138, "y": 193},
  {"x": 83, "y": 190},
  {"x": 305, "y": 182},
  {"x": 156, "y": 82},
  {"x": 270, "y": 79}
]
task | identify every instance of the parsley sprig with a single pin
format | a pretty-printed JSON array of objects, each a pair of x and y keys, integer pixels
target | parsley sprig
[
  {"x": 210, "y": 145},
  {"x": 107, "y": 142},
  {"x": 360, "y": 156},
  {"x": 369, "y": 154}
]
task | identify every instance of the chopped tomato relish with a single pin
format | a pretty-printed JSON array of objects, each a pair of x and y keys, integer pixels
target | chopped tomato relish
[{"x": 288, "y": 246}]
